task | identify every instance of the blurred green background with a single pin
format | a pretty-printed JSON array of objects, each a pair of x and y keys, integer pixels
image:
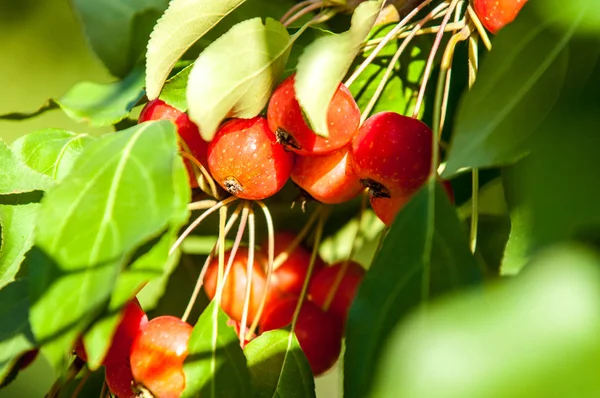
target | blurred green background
[{"x": 42, "y": 54}]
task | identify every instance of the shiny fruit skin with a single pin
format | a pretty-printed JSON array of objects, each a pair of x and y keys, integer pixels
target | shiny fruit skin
[
  {"x": 393, "y": 151},
  {"x": 285, "y": 116},
  {"x": 157, "y": 356},
  {"x": 319, "y": 334},
  {"x": 386, "y": 209},
  {"x": 328, "y": 178},
  {"x": 234, "y": 291},
  {"x": 134, "y": 318},
  {"x": 496, "y": 14},
  {"x": 289, "y": 277},
  {"x": 120, "y": 379},
  {"x": 186, "y": 129},
  {"x": 245, "y": 159},
  {"x": 323, "y": 282}
]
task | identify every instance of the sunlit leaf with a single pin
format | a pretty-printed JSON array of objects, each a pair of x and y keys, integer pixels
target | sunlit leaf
[
  {"x": 325, "y": 62},
  {"x": 278, "y": 366},
  {"x": 123, "y": 191},
  {"x": 16, "y": 177},
  {"x": 17, "y": 224},
  {"x": 235, "y": 75},
  {"x": 533, "y": 336},
  {"x": 184, "y": 22},
  {"x": 424, "y": 255},
  {"x": 215, "y": 365}
]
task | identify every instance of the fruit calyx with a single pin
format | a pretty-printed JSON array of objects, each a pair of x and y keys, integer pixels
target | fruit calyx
[
  {"x": 376, "y": 190},
  {"x": 286, "y": 139}
]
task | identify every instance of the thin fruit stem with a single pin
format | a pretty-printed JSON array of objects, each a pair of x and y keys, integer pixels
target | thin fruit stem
[
  {"x": 340, "y": 275},
  {"x": 480, "y": 29},
  {"x": 103, "y": 390},
  {"x": 306, "y": 10},
  {"x": 198, "y": 220},
  {"x": 432, "y": 53},
  {"x": 207, "y": 178},
  {"x": 200, "y": 281},
  {"x": 311, "y": 265},
  {"x": 452, "y": 26},
  {"x": 271, "y": 251},
  {"x": 473, "y": 67},
  {"x": 283, "y": 256},
  {"x": 385, "y": 41},
  {"x": 249, "y": 273},
  {"x": 294, "y": 9},
  {"x": 237, "y": 241},
  {"x": 202, "y": 204},
  {"x": 392, "y": 63},
  {"x": 84, "y": 379},
  {"x": 221, "y": 265}
]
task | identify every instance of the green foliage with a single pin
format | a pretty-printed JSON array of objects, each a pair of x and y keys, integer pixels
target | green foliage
[
  {"x": 118, "y": 32},
  {"x": 278, "y": 366},
  {"x": 316, "y": 85},
  {"x": 237, "y": 84},
  {"x": 535, "y": 336},
  {"x": 215, "y": 365},
  {"x": 424, "y": 255},
  {"x": 17, "y": 238}
]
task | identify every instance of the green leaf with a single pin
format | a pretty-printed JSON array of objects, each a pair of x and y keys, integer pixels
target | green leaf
[
  {"x": 16, "y": 177},
  {"x": 124, "y": 190},
  {"x": 94, "y": 103},
  {"x": 235, "y": 75},
  {"x": 215, "y": 365},
  {"x": 51, "y": 151},
  {"x": 533, "y": 336},
  {"x": 278, "y": 366},
  {"x": 173, "y": 92},
  {"x": 17, "y": 238},
  {"x": 181, "y": 25},
  {"x": 302, "y": 41},
  {"x": 316, "y": 84},
  {"x": 563, "y": 13},
  {"x": 399, "y": 93},
  {"x": 424, "y": 255},
  {"x": 517, "y": 86},
  {"x": 15, "y": 334},
  {"x": 118, "y": 31}
]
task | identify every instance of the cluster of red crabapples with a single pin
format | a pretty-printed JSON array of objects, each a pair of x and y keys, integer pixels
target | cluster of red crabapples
[
  {"x": 389, "y": 154},
  {"x": 320, "y": 323}
]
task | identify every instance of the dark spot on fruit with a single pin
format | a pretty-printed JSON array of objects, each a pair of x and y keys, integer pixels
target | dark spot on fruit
[
  {"x": 233, "y": 186},
  {"x": 284, "y": 138},
  {"x": 376, "y": 190}
]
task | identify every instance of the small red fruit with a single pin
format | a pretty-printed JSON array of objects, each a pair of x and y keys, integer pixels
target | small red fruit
[
  {"x": 387, "y": 208},
  {"x": 234, "y": 291},
  {"x": 134, "y": 318},
  {"x": 245, "y": 159},
  {"x": 322, "y": 283},
  {"x": 289, "y": 277},
  {"x": 319, "y": 335},
  {"x": 287, "y": 121},
  {"x": 327, "y": 178},
  {"x": 120, "y": 379},
  {"x": 392, "y": 154},
  {"x": 187, "y": 130},
  {"x": 157, "y": 356},
  {"x": 495, "y": 14}
]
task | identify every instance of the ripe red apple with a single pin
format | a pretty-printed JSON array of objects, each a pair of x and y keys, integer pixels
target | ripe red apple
[
  {"x": 234, "y": 291},
  {"x": 245, "y": 159},
  {"x": 287, "y": 121},
  {"x": 157, "y": 356},
  {"x": 319, "y": 334},
  {"x": 187, "y": 130},
  {"x": 120, "y": 379},
  {"x": 328, "y": 178},
  {"x": 289, "y": 277},
  {"x": 495, "y": 14},
  {"x": 323, "y": 282},
  {"x": 392, "y": 154}
]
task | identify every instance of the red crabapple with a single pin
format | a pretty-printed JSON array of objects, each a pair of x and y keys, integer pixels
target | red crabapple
[
  {"x": 392, "y": 154},
  {"x": 186, "y": 129},
  {"x": 323, "y": 282},
  {"x": 234, "y": 291},
  {"x": 157, "y": 356},
  {"x": 319, "y": 334},
  {"x": 386, "y": 209},
  {"x": 245, "y": 159},
  {"x": 495, "y": 14},
  {"x": 287, "y": 120},
  {"x": 327, "y": 178},
  {"x": 120, "y": 379},
  {"x": 289, "y": 277}
]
